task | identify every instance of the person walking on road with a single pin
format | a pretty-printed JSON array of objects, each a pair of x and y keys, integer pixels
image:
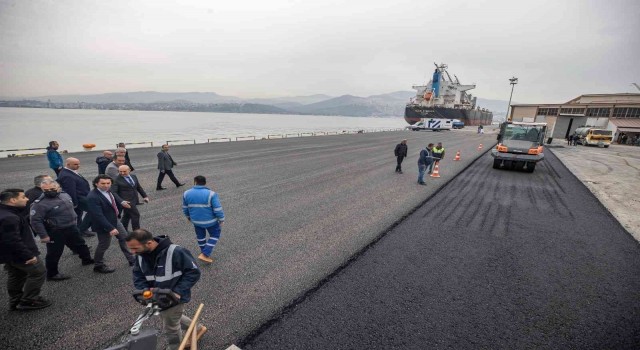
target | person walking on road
[
  {"x": 425, "y": 160},
  {"x": 54, "y": 220},
  {"x": 103, "y": 161},
  {"x": 77, "y": 187},
  {"x": 155, "y": 257},
  {"x": 127, "y": 186},
  {"x": 55, "y": 159},
  {"x": 35, "y": 192},
  {"x": 104, "y": 208},
  {"x": 202, "y": 208},
  {"x": 127, "y": 160},
  {"x": 400, "y": 153},
  {"x": 113, "y": 169},
  {"x": 165, "y": 164},
  {"x": 19, "y": 254}
]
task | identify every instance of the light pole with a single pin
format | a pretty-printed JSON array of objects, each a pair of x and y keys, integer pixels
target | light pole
[{"x": 513, "y": 81}]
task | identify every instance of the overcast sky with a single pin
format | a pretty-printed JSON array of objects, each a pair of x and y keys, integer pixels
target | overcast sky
[{"x": 270, "y": 48}]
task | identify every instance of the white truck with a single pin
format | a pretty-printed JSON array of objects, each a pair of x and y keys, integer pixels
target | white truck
[{"x": 432, "y": 124}]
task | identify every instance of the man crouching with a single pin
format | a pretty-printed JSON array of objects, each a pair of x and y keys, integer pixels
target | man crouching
[{"x": 164, "y": 265}]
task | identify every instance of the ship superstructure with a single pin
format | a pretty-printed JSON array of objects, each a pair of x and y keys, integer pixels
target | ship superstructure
[{"x": 445, "y": 98}]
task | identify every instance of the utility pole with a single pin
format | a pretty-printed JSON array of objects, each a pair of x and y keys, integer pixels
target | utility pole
[{"x": 513, "y": 81}]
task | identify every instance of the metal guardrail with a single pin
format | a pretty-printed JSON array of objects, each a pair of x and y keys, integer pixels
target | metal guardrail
[
  {"x": 245, "y": 137},
  {"x": 137, "y": 143},
  {"x": 194, "y": 141},
  {"x": 22, "y": 149},
  {"x": 217, "y": 139}
]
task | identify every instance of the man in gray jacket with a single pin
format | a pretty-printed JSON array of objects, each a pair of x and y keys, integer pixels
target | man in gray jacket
[
  {"x": 165, "y": 164},
  {"x": 54, "y": 220},
  {"x": 113, "y": 167}
]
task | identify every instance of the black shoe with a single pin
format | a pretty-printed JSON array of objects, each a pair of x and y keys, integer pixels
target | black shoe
[
  {"x": 58, "y": 277},
  {"x": 103, "y": 269},
  {"x": 12, "y": 307},
  {"x": 88, "y": 262},
  {"x": 180, "y": 184},
  {"x": 400, "y": 172},
  {"x": 160, "y": 188},
  {"x": 33, "y": 304},
  {"x": 422, "y": 183}
]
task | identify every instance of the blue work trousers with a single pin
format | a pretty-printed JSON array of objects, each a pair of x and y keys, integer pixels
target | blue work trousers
[{"x": 207, "y": 245}]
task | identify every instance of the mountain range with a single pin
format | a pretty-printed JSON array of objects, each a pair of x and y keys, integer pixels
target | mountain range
[{"x": 389, "y": 104}]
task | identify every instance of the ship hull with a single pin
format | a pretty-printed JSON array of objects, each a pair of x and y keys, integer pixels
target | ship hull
[{"x": 414, "y": 113}]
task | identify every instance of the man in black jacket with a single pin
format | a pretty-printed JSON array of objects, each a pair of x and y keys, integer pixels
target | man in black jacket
[
  {"x": 401, "y": 153},
  {"x": 103, "y": 161},
  {"x": 54, "y": 220},
  {"x": 127, "y": 186},
  {"x": 105, "y": 208},
  {"x": 19, "y": 254},
  {"x": 76, "y": 186},
  {"x": 162, "y": 264}
]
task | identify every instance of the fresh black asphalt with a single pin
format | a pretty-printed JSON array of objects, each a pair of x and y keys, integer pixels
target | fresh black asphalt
[
  {"x": 296, "y": 209},
  {"x": 495, "y": 260}
]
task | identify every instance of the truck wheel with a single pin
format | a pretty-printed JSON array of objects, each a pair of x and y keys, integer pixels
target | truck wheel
[
  {"x": 496, "y": 163},
  {"x": 531, "y": 166}
]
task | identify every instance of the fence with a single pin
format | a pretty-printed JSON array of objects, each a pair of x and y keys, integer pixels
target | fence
[{"x": 218, "y": 139}]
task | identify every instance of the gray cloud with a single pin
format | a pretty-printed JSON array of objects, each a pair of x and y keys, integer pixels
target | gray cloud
[{"x": 273, "y": 48}]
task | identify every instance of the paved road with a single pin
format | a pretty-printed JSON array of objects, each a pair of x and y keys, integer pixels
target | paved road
[
  {"x": 612, "y": 174},
  {"x": 496, "y": 260},
  {"x": 297, "y": 209}
]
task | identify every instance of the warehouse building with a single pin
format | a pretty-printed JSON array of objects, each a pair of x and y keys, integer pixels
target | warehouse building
[{"x": 619, "y": 113}]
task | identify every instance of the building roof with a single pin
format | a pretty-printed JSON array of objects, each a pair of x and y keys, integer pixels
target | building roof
[
  {"x": 626, "y": 122},
  {"x": 631, "y": 99}
]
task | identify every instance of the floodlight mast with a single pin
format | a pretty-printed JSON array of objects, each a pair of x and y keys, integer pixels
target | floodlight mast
[{"x": 513, "y": 81}]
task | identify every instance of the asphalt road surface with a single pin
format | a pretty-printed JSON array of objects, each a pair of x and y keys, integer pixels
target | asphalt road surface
[
  {"x": 495, "y": 260},
  {"x": 297, "y": 209}
]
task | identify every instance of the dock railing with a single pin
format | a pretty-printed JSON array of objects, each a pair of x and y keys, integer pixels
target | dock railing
[{"x": 211, "y": 140}]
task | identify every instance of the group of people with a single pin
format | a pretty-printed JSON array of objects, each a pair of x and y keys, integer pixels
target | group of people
[
  {"x": 60, "y": 212},
  {"x": 429, "y": 156}
]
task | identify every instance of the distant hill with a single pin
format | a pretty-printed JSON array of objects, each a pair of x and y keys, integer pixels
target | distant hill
[
  {"x": 143, "y": 97},
  {"x": 389, "y": 104}
]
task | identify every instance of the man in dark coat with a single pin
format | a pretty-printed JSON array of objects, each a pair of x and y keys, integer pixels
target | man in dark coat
[
  {"x": 35, "y": 192},
  {"x": 104, "y": 208},
  {"x": 76, "y": 186},
  {"x": 165, "y": 164},
  {"x": 401, "y": 153},
  {"x": 126, "y": 155},
  {"x": 103, "y": 161},
  {"x": 19, "y": 254},
  {"x": 127, "y": 186},
  {"x": 156, "y": 256}
]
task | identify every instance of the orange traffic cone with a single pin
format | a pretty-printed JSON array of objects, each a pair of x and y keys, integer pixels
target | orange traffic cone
[
  {"x": 436, "y": 170},
  {"x": 480, "y": 147},
  {"x": 457, "y": 156}
]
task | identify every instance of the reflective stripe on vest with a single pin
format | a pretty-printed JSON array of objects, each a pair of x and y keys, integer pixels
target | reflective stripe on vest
[{"x": 168, "y": 267}]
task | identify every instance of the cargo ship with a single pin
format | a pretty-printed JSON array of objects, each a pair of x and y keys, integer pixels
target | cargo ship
[{"x": 445, "y": 98}]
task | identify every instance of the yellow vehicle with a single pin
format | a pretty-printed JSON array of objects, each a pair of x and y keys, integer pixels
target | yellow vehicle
[{"x": 590, "y": 136}]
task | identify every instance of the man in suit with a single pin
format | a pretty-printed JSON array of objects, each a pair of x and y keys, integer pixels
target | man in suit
[
  {"x": 165, "y": 164},
  {"x": 76, "y": 186},
  {"x": 127, "y": 186},
  {"x": 105, "y": 208}
]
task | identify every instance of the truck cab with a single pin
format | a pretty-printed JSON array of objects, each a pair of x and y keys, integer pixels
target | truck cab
[{"x": 520, "y": 145}]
